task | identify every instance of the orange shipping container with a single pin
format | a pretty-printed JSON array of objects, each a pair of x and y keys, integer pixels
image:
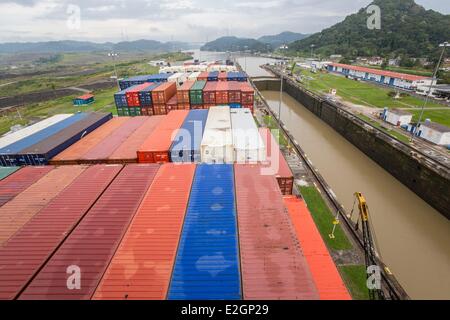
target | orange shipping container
[
  {"x": 16, "y": 213},
  {"x": 142, "y": 266},
  {"x": 222, "y": 93},
  {"x": 203, "y": 76},
  {"x": 184, "y": 106},
  {"x": 163, "y": 93},
  {"x": 325, "y": 274},
  {"x": 160, "y": 109},
  {"x": 183, "y": 92},
  {"x": 156, "y": 148},
  {"x": 127, "y": 152},
  {"x": 72, "y": 154},
  {"x": 172, "y": 104}
]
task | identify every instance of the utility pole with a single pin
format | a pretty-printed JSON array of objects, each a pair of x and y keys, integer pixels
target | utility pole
[
  {"x": 281, "y": 97},
  {"x": 443, "y": 46},
  {"x": 113, "y": 55}
]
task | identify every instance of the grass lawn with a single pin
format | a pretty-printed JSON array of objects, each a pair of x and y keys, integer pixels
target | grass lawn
[
  {"x": 439, "y": 116},
  {"x": 104, "y": 102},
  {"x": 271, "y": 123},
  {"x": 355, "y": 278},
  {"x": 324, "y": 219},
  {"x": 359, "y": 92},
  {"x": 402, "y": 137}
]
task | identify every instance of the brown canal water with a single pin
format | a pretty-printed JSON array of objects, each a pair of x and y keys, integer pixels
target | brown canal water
[{"x": 413, "y": 238}]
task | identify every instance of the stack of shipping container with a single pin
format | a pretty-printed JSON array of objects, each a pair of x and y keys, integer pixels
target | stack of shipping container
[
  {"x": 159, "y": 94},
  {"x": 59, "y": 216},
  {"x": 37, "y": 144}
]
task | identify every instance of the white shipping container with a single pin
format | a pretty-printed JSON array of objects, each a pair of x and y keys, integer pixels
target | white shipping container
[
  {"x": 179, "y": 78},
  {"x": 25, "y": 132},
  {"x": 194, "y": 76},
  {"x": 217, "y": 142},
  {"x": 247, "y": 143}
]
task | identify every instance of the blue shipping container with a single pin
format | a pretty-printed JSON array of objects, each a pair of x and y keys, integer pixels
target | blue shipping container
[
  {"x": 41, "y": 153},
  {"x": 213, "y": 76},
  {"x": 145, "y": 95},
  {"x": 35, "y": 138},
  {"x": 207, "y": 264},
  {"x": 186, "y": 146},
  {"x": 235, "y": 105},
  {"x": 120, "y": 98}
]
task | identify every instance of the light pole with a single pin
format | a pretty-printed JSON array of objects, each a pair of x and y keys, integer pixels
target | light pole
[
  {"x": 113, "y": 55},
  {"x": 312, "y": 50},
  {"x": 443, "y": 46},
  {"x": 281, "y": 98}
]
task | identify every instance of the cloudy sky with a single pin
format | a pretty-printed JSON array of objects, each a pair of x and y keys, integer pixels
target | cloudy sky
[{"x": 164, "y": 20}]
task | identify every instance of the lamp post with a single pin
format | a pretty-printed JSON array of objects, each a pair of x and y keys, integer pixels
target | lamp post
[
  {"x": 443, "y": 46},
  {"x": 113, "y": 55},
  {"x": 312, "y": 50}
]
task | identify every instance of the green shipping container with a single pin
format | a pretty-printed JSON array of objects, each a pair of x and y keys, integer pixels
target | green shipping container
[
  {"x": 126, "y": 112},
  {"x": 196, "y": 92},
  {"x": 6, "y": 171},
  {"x": 120, "y": 112},
  {"x": 137, "y": 111}
]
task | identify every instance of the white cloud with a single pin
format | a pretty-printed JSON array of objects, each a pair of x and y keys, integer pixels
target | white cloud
[{"x": 183, "y": 20}]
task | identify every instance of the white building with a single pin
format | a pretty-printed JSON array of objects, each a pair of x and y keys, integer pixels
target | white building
[
  {"x": 435, "y": 132},
  {"x": 397, "y": 117},
  {"x": 388, "y": 78}
]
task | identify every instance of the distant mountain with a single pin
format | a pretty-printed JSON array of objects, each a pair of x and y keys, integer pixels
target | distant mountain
[
  {"x": 406, "y": 29},
  {"x": 282, "y": 38},
  {"x": 84, "y": 46},
  {"x": 234, "y": 44}
]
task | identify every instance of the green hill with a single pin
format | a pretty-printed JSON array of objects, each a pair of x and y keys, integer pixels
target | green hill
[
  {"x": 234, "y": 44},
  {"x": 406, "y": 29},
  {"x": 282, "y": 38}
]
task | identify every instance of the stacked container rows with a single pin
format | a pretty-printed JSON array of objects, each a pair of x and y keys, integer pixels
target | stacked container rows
[{"x": 205, "y": 239}]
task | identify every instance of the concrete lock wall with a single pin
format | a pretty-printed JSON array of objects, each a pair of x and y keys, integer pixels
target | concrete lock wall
[{"x": 421, "y": 177}]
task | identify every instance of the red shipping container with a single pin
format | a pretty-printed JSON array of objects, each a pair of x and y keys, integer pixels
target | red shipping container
[
  {"x": 19, "y": 181},
  {"x": 147, "y": 275},
  {"x": 132, "y": 95},
  {"x": 25, "y": 253},
  {"x": 147, "y": 111},
  {"x": 126, "y": 153},
  {"x": 163, "y": 93},
  {"x": 159, "y": 109},
  {"x": 197, "y": 106},
  {"x": 203, "y": 76},
  {"x": 172, "y": 104},
  {"x": 101, "y": 152},
  {"x": 222, "y": 93},
  {"x": 184, "y": 106},
  {"x": 326, "y": 276},
  {"x": 94, "y": 241},
  {"x": 234, "y": 92},
  {"x": 156, "y": 148},
  {"x": 273, "y": 266},
  {"x": 183, "y": 92},
  {"x": 20, "y": 210},
  {"x": 223, "y": 76},
  {"x": 276, "y": 164},
  {"x": 248, "y": 93},
  {"x": 209, "y": 93},
  {"x": 207, "y": 106}
]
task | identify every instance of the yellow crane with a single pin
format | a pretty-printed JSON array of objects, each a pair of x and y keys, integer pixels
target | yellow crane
[{"x": 375, "y": 293}]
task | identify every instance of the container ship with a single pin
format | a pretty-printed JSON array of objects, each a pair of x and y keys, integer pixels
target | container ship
[{"x": 183, "y": 196}]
